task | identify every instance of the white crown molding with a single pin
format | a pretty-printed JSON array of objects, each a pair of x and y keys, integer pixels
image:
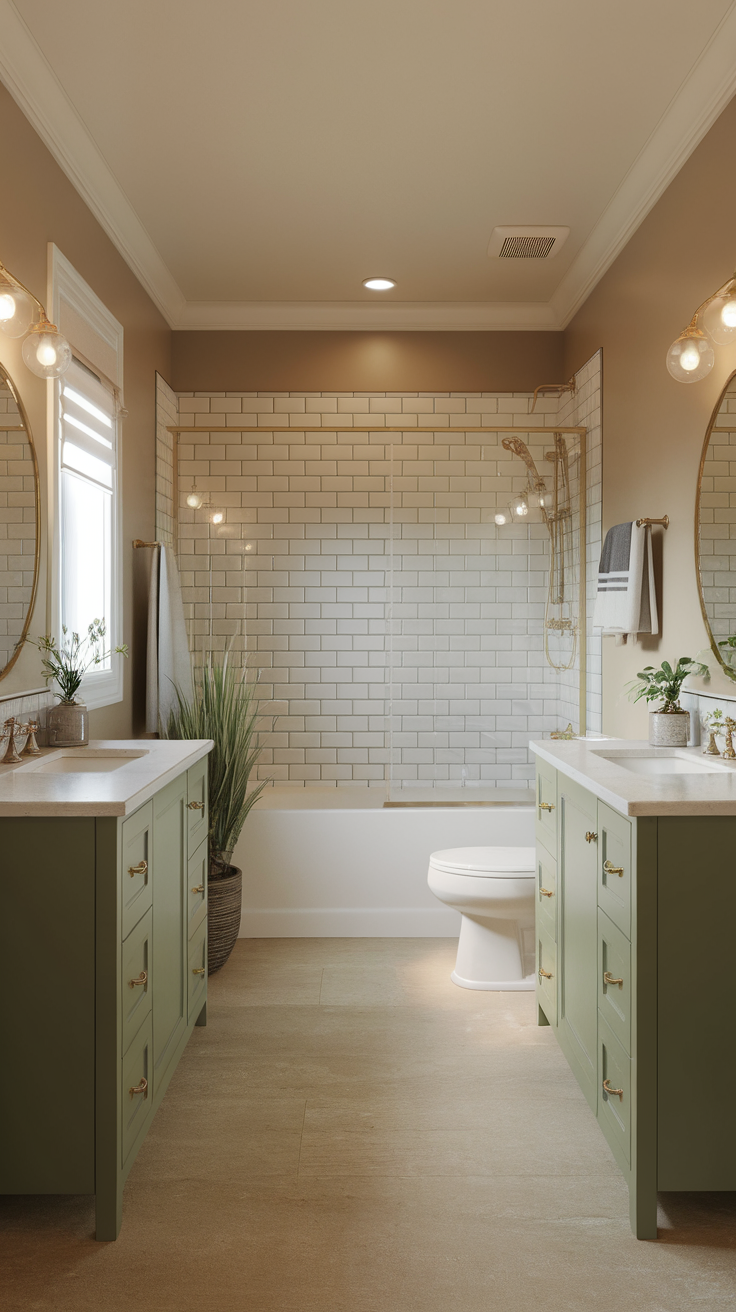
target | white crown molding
[
  {"x": 35, "y": 88},
  {"x": 691, "y": 113},
  {"x": 31, "y": 81},
  {"x": 359, "y": 316}
]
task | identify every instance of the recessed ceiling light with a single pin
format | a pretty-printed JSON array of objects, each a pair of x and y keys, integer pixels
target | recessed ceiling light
[{"x": 379, "y": 284}]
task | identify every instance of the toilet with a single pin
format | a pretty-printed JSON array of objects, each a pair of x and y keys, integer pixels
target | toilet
[{"x": 493, "y": 889}]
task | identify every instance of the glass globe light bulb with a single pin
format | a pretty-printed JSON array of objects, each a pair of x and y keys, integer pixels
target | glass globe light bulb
[
  {"x": 500, "y": 519},
  {"x": 690, "y": 356},
  {"x": 719, "y": 316},
  {"x": 46, "y": 353},
  {"x": 16, "y": 312},
  {"x": 217, "y": 517},
  {"x": 194, "y": 500}
]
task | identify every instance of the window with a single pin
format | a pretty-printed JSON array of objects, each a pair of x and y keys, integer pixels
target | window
[{"x": 87, "y": 563}]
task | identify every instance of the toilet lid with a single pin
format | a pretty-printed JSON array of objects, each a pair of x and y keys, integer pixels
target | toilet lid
[{"x": 488, "y": 861}]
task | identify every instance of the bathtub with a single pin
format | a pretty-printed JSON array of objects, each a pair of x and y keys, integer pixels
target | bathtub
[{"x": 337, "y": 862}]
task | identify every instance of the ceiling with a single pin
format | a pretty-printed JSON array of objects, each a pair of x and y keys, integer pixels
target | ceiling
[{"x": 254, "y": 161}]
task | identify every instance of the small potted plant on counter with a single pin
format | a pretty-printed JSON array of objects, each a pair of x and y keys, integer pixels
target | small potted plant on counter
[
  {"x": 224, "y": 708},
  {"x": 67, "y": 663},
  {"x": 669, "y": 725}
]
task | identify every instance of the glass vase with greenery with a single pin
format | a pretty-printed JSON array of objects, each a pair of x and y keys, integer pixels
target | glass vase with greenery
[
  {"x": 68, "y": 662},
  {"x": 664, "y": 684},
  {"x": 225, "y": 708}
]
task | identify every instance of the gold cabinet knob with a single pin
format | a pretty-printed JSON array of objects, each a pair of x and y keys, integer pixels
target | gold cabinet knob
[
  {"x": 611, "y": 869},
  {"x": 198, "y": 888},
  {"x": 546, "y": 892},
  {"x": 618, "y": 1093},
  {"x": 546, "y": 806},
  {"x": 544, "y": 974},
  {"x": 590, "y": 837},
  {"x": 140, "y": 869},
  {"x": 140, "y": 1088},
  {"x": 610, "y": 979},
  {"x": 195, "y": 806},
  {"x": 142, "y": 979},
  {"x": 198, "y": 970}
]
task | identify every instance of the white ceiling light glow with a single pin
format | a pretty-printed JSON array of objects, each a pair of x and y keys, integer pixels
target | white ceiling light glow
[{"x": 379, "y": 284}]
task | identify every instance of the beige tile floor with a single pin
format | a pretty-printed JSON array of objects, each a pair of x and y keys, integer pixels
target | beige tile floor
[{"x": 353, "y": 1133}]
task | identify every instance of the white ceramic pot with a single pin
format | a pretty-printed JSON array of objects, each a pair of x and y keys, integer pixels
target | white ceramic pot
[
  {"x": 67, "y": 725},
  {"x": 669, "y": 728}
]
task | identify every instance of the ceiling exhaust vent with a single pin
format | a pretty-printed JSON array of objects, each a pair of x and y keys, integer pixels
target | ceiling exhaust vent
[{"x": 526, "y": 243}]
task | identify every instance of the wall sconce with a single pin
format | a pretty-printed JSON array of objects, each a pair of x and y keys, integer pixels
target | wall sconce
[
  {"x": 691, "y": 355},
  {"x": 45, "y": 351}
]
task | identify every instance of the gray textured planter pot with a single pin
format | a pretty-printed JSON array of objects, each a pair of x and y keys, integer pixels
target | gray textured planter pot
[
  {"x": 67, "y": 725},
  {"x": 224, "y": 898},
  {"x": 669, "y": 728}
]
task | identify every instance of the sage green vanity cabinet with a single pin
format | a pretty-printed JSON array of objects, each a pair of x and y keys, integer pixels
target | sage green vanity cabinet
[
  {"x": 637, "y": 975},
  {"x": 104, "y": 952}
]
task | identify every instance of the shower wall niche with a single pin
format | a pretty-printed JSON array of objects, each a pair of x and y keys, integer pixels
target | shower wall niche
[{"x": 357, "y": 564}]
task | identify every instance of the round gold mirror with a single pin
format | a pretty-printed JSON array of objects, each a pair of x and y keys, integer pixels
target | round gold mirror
[
  {"x": 715, "y": 529},
  {"x": 20, "y": 526}
]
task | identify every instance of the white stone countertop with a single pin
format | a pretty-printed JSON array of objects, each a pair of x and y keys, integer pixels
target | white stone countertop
[
  {"x": 709, "y": 790},
  {"x": 69, "y": 780}
]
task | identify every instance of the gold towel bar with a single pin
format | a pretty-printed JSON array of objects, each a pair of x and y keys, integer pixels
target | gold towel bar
[
  {"x": 138, "y": 542},
  {"x": 664, "y": 521}
]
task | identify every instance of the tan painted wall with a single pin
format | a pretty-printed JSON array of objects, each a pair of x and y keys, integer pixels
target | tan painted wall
[
  {"x": 365, "y": 362},
  {"x": 40, "y": 205},
  {"x": 653, "y": 427}
]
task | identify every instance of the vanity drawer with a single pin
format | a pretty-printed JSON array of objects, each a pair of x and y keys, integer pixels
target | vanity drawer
[
  {"x": 135, "y": 981},
  {"x": 614, "y": 964},
  {"x": 197, "y": 972},
  {"x": 614, "y": 867},
  {"x": 136, "y": 1099},
  {"x": 547, "y": 975},
  {"x": 547, "y": 891},
  {"x": 197, "y": 804},
  {"x": 136, "y": 871},
  {"x": 546, "y": 821},
  {"x": 197, "y": 887},
  {"x": 614, "y": 1092}
]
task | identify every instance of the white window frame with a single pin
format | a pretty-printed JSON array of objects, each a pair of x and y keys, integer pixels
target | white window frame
[{"x": 72, "y": 299}]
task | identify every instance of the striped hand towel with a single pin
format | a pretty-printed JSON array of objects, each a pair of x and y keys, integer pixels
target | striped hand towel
[{"x": 626, "y": 601}]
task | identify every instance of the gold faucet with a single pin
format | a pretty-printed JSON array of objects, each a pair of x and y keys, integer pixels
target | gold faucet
[
  {"x": 32, "y": 748},
  {"x": 728, "y": 752},
  {"x": 11, "y": 756}
]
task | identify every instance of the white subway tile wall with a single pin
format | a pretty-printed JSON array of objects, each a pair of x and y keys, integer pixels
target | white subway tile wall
[
  {"x": 17, "y": 526},
  {"x": 717, "y": 536},
  {"x": 361, "y": 572}
]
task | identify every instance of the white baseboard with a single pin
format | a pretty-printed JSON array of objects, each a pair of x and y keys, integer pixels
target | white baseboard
[{"x": 338, "y": 922}]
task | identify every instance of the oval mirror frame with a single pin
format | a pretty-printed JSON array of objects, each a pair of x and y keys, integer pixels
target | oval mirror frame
[
  {"x": 701, "y": 519},
  {"x": 23, "y": 426}
]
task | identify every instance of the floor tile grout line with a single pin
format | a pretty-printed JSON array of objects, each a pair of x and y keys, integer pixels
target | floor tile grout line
[{"x": 301, "y": 1140}]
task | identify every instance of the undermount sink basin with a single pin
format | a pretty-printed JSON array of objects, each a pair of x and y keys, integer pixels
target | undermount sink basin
[
  {"x": 661, "y": 761},
  {"x": 79, "y": 760}
]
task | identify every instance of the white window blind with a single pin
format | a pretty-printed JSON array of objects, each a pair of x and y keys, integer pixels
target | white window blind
[{"x": 88, "y": 476}]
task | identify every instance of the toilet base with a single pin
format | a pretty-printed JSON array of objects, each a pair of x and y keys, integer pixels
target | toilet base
[{"x": 496, "y": 986}]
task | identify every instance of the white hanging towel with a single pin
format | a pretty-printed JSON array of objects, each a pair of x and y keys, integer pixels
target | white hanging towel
[
  {"x": 626, "y": 602},
  {"x": 168, "y": 661}
]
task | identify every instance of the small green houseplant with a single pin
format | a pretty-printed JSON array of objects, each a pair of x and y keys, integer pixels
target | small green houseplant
[
  {"x": 668, "y": 726},
  {"x": 225, "y": 708},
  {"x": 67, "y": 663}
]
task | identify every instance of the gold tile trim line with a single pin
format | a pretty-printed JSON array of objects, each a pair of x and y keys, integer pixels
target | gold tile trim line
[{"x": 359, "y": 428}]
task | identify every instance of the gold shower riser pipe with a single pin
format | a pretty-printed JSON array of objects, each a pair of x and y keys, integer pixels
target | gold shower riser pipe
[{"x": 366, "y": 428}]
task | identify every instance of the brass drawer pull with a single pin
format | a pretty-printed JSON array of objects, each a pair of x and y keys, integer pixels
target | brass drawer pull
[
  {"x": 142, "y": 979},
  {"x": 618, "y": 1092},
  {"x": 198, "y": 888},
  {"x": 140, "y": 869},
  {"x": 546, "y": 806},
  {"x": 198, "y": 970},
  {"x": 140, "y": 1088},
  {"x": 611, "y": 869},
  {"x": 610, "y": 979},
  {"x": 195, "y": 806},
  {"x": 590, "y": 837},
  {"x": 546, "y": 974},
  {"x": 546, "y": 892}
]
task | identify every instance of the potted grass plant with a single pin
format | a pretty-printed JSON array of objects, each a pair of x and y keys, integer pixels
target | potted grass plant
[
  {"x": 669, "y": 725},
  {"x": 225, "y": 708}
]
